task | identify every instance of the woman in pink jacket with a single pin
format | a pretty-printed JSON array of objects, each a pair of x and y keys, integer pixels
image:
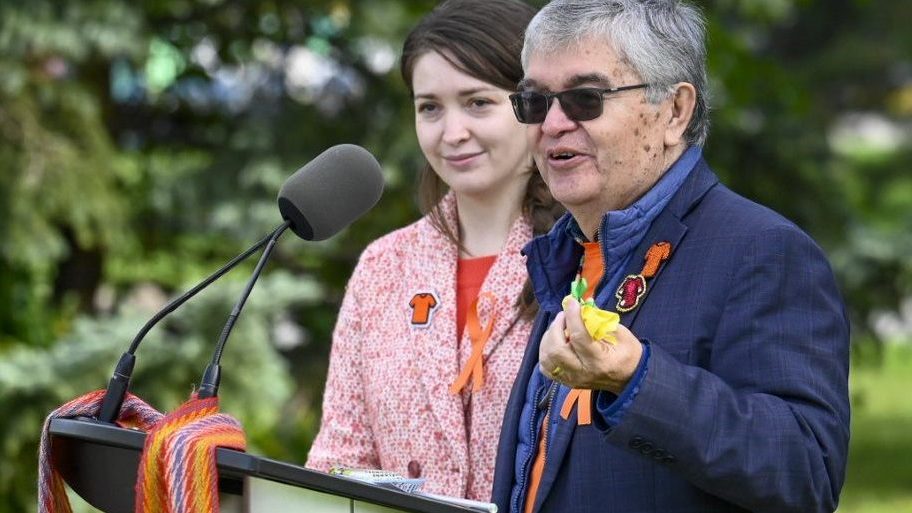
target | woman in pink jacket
[{"x": 436, "y": 315}]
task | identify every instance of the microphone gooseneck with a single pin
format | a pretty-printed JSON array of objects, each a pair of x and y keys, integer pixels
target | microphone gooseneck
[
  {"x": 211, "y": 377},
  {"x": 316, "y": 202},
  {"x": 120, "y": 380}
]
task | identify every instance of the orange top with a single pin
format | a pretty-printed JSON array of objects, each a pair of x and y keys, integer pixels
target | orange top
[
  {"x": 593, "y": 267},
  {"x": 470, "y": 275}
]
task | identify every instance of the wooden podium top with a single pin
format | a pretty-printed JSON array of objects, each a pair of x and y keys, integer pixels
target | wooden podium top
[{"x": 100, "y": 461}]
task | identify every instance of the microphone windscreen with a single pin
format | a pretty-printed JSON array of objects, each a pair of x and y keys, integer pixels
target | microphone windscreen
[{"x": 331, "y": 191}]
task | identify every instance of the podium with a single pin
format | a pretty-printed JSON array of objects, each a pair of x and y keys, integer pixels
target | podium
[{"x": 100, "y": 461}]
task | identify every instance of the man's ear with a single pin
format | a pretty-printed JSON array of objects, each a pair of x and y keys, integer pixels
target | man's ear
[{"x": 683, "y": 102}]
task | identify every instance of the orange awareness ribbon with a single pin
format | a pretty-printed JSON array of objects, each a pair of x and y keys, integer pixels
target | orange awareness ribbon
[
  {"x": 474, "y": 368},
  {"x": 582, "y": 398}
]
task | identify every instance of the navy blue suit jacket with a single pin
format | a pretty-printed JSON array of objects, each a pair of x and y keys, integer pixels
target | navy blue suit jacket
[{"x": 744, "y": 405}]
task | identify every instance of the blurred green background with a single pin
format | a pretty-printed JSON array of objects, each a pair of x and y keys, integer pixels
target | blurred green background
[{"x": 142, "y": 145}]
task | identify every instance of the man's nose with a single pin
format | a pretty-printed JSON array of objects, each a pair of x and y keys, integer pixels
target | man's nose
[{"x": 556, "y": 120}]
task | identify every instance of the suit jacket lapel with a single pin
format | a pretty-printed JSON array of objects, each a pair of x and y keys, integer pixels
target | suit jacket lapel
[{"x": 667, "y": 227}]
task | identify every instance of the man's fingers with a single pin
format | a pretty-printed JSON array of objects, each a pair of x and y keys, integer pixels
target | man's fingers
[
  {"x": 552, "y": 340},
  {"x": 560, "y": 321},
  {"x": 553, "y": 351},
  {"x": 574, "y": 319}
]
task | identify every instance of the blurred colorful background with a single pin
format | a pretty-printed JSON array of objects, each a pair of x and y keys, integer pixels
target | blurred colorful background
[{"x": 142, "y": 145}]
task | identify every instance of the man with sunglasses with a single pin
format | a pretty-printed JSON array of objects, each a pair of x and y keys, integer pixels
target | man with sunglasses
[{"x": 724, "y": 388}]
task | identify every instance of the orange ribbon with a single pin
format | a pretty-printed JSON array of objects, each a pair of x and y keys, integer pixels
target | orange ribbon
[
  {"x": 582, "y": 398},
  {"x": 474, "y": 368}
]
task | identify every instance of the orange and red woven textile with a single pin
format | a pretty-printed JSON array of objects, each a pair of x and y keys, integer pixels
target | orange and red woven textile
[
  {"x": 177, "y": 472},
  {"x": 52, "y": 497}
]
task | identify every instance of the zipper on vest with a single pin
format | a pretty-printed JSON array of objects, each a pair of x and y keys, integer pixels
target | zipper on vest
[
  {"x": 545, "y": 402},
  {"x": 546, "y": 428}
]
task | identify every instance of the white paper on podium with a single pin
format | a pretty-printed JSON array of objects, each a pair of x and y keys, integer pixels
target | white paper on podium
[{"x": 264, "y": 496}]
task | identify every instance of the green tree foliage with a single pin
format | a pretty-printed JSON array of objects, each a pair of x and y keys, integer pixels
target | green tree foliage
[{"x": 142, "y": 145}]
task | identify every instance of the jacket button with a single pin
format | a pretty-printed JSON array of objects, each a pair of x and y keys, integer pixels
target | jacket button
[
  {"x": 669, "y": 459},
  {"x": 646, "y": 448},
  {"x": 414, "y": 469},
  {"x": 635, "y": 442},
  {"x": 658, "y": 454}
]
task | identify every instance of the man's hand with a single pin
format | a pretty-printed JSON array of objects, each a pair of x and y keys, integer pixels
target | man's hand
[{"x": 569, "y": 355}]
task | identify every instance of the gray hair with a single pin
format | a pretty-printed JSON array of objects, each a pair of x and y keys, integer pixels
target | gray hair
[{"x": 662, "y": 40}]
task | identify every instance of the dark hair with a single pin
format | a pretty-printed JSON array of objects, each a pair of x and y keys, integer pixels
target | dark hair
[{"x": 483, "y": 39}]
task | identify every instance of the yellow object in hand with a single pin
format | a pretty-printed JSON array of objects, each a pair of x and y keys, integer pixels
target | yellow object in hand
[{"x": 601, "y": 324}]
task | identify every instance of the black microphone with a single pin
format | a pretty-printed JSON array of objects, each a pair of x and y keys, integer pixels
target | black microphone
[
  {"x": 317, "y": 188},
  {"x": 317, "y": 201},
  {"x": 331, "y": 191}
]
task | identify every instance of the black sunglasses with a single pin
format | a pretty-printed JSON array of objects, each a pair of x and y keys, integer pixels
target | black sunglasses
[{"x": 581, "y": 104}]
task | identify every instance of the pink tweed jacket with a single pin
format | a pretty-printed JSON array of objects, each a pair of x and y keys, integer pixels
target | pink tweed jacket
[{"x": 387, "y": 402}]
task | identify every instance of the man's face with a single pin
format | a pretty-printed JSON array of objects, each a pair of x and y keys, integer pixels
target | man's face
[{"x": 611, "y": 161}]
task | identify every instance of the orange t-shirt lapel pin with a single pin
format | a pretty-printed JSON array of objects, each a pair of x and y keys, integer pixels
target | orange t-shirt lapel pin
[{"x": 423, "y": 305}]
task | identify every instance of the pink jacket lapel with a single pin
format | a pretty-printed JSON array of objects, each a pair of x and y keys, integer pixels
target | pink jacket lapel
[{"x": 433, "y": 269}]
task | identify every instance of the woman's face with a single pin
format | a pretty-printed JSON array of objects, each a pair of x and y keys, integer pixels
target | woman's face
[{"x": 467, "y": 131}]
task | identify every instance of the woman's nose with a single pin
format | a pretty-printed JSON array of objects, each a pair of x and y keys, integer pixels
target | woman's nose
[{"x": 455, "y": 129}]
